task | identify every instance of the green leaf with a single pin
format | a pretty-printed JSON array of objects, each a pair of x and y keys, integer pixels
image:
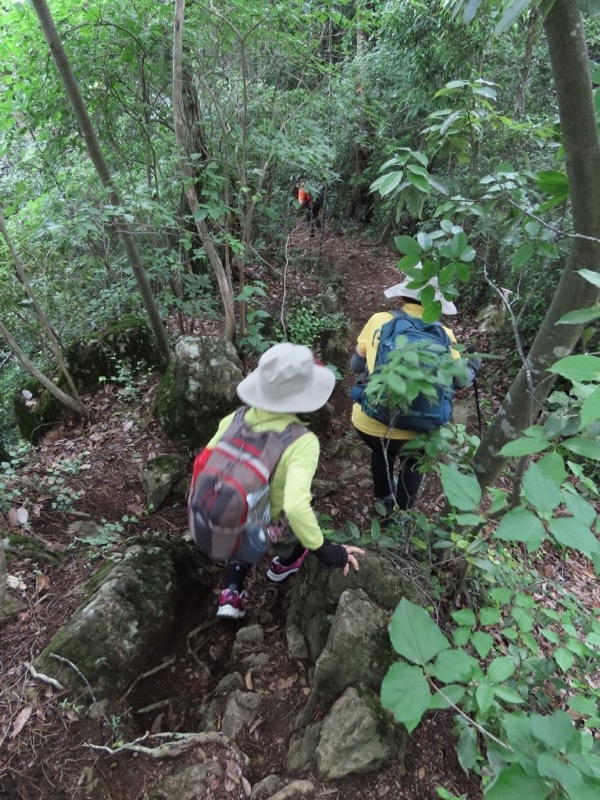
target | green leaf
[
  {"x": 484, "y": 695},
  {"x": 454, "y": 666},
  {"x": 572, "y": 532},
  {"x": 580, "y": 317},
  {"x": 520, "y": 525},
  {"x": 591, "y": 276},
  {"x": 500, "y": 669},
  {"x": 513, "y": 782},
  {"x": 482, "y": 642},
  {"x": 583, "y": 447},
  {"x": 405, "y": 692},
  {"x": 551, "y": 767},
  {"x": 590, "y": 408},
  {"x": 522, "y": 256},
  {"x": 525, "y": 446},
  {"x": 583, "y": 705},
  {"x": 553, "y": 465},
  {"x": 406, "y": 244},
  {"x": 564, "y": 658},
  {"x": 540, "y": 490},
  {"x": 489, "y": 616},
  {"x": 467, "y": 748},
  {"x": 555, "y": 730},
  {"x": 387, "y": 183},
  {"x": 414, "y": 635},
  {"x": 453, "y": 695},
  {"x": 463, "y": 491},
  {"x": 507, "y": 694},
  {"x": 577, "y": 368},
  {"x": 523, "y": 619},
  {"x": 580, "y": 508},
  {"x": 461, "y": 636},
  {"x": 552, "y": 182},
  {"x": 465, "y": 617}
]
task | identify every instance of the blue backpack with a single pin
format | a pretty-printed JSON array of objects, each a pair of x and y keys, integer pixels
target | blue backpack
[{"x": 425, "y": 414}]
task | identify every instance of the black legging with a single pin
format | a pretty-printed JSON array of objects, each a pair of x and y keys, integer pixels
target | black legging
[{"x": 384, "y": 453}]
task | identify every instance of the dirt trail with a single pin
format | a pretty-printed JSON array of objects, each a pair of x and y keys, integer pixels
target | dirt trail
[{"x": 48, "y": 758}]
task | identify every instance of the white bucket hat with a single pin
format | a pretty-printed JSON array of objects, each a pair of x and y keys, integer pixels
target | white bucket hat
[
  {"x": 402, "y": 290},
  {"x": 287, "y": 380}
]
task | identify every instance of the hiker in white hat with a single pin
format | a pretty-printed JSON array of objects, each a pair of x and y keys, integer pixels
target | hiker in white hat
[
  {"x": 267, "y": 438},
  {"x": 396, "y": 480}
]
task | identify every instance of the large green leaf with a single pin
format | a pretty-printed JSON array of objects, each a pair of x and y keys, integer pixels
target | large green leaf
[
  {"x": 590, "y": 409},
  {"x": 540, "y": 490},
  {"x": 591, "y": 276},
  {"x": 578, "y": 368},
  {"x": 579, "y": 317},
  {"x": 525, "y": 446},
  {"x": 463, "y": 491},
  {"x": 583, "y": 447},
  {"x": 500, "y": 669},
  {"x": 387, "y": 183},
  {"x": 520, "y": 525},
  {"x": 571, "y": 532},
  {"x": 405, "y": 692},
  {"x": 553, "y": 465},
  {"x": 513, "y": 783},
  {"x": 414, "y": 635},
  {"x": 454, "y": 666},
  {"x": 555, "y": 730},
  {"x": 406, "y": 244}
]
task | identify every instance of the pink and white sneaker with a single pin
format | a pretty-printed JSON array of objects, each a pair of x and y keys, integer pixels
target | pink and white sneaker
[
  {"x": 232, "y": 604},
  {"x": 279, "y": 572}
]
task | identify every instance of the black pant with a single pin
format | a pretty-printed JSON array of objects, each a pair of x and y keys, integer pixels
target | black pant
[
  {"x": 384, "y": 455},
  {"x": 312, "y": 219}
]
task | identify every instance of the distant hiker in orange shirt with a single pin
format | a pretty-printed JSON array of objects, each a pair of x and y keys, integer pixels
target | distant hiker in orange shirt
[{"x": 312, "y": 206}]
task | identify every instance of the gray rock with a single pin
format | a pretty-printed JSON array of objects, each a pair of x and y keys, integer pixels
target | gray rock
[
  {"x": 248, "y": 638},
  {"x": 296, "y": 643},
  {"x": 239, "y": 710},
  {"x": 128, "y": 613},
  {"x": 302, "y": 749},
  {"x": 356, "y": 737},
  {"x": 229, "y": 683},
  {"x": 199, "y": 388},
  {"x": 358, "y": 651},
  {"x": 159, "y": 475},
  {"x": 188, "y": 783}
]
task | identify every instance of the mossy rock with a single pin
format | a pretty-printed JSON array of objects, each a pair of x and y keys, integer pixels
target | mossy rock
[
  {"x": 128, "y": 342},
  {"x": 35, "y": 419}
]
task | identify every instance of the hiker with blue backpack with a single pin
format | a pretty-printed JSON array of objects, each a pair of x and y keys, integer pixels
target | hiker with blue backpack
[
  {"x": 251, "y": 485},
  {"x": 396, "y": 477}
]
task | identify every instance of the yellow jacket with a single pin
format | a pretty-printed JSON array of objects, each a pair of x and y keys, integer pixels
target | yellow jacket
[
  {"x": 366, "y": 347},
  {"x": 291, "y": 483}
]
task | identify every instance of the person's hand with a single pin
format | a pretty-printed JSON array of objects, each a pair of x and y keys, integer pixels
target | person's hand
[
  {"x": 350, "y": 549},
  {"x": 474, "y": 363}
]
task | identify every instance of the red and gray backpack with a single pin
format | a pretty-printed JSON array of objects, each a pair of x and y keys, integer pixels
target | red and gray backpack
[{"x": 231, "y": 484}]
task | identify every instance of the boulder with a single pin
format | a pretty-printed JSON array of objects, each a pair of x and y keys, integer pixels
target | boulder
[{"x": 198, "y": 389}]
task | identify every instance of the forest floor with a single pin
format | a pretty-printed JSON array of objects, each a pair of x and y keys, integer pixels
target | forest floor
[{"x": 46, "y": 740}]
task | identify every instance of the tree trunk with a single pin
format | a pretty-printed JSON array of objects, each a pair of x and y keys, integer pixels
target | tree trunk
[
  {"x": 95, "y": 153},
  {"x": 49, "y": 331},
  {"x": 31, "y": 369},
  {"x": 533, "y": 35},
  {"x": 570, "y": 68},
  {"x": 182, "y": 136}
]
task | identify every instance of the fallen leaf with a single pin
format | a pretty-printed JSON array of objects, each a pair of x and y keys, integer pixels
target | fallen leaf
[
  {"x": 246, "y": 787},
  {"x": 71, "y": 715},
  {"x": 13, "y": 520},
  {"x": 421, "y": 773},
  {"x": 22, "y": 516},
  {"x": 42, "y": 582},
  {"x": 233, "y": 771},
  {"x": 21, "y": 721},
  {"x": 249, "y": 682}
]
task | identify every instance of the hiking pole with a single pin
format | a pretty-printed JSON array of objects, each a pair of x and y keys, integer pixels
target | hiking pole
[{"x": 471, "y": 349}]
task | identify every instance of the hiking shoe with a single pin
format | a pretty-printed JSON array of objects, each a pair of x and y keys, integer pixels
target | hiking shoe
[
  {"x": 232, "y": 604},
  {"x": 279, "y": 572}
]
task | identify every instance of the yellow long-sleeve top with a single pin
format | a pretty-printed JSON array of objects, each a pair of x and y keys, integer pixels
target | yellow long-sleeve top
[
  {"x": 292, "y": 479},
  {"x": 366, "y": 346}
]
